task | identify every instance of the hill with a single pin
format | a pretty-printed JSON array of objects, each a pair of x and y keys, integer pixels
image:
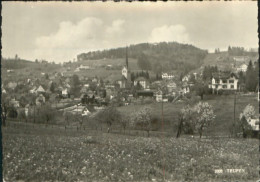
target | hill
[
  {"x": 167, "y": 56},
  {"x": 16, "y": 63}
]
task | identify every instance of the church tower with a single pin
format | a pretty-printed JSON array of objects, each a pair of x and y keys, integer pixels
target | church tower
[
  {"x": 126, "y": 60},
  {"x": 125, "y": 68}
]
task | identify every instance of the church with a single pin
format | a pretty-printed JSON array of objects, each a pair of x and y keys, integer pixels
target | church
[{"x": 125, "y": 80}]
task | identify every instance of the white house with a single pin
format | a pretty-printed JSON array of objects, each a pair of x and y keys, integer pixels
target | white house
[
  {"x": 185, "y": 78},
  {"x": 142, "y": 81},
  {"x": 224, "y": 81},
  {"x": 65, "y": 92},
  {"x": 254, "y": 123},
  {"x": 167, "y": 76},
  {"x": 40, "y": 89},
  {"x": 242, "y": 68},
  {"x": 241, "y": 58}
]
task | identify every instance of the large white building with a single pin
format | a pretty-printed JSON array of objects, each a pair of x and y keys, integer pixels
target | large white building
[{"x": 224, "y": 81}]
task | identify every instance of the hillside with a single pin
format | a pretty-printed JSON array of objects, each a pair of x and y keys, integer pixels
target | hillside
[
  {"x": 170, "y": 56},
  {"x": 223, "y": 107},
  {"x": 224, "y": 61}
]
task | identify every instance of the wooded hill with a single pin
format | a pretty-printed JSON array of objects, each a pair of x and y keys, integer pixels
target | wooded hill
[{"x": 161, "y": 56}]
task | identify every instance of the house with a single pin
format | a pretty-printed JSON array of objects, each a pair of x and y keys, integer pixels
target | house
[
  {"x": 167, "y": 76},
  {"x": 185, "y": 78},
  {"x": 242, "y": 68},
  {"x": 65, "y": 92},
  {"x": 3, "y": 91},
  {"x": 158, "y": 96},
  {"x": 40, "y": 100},
  {"x": 254, "y": 123},
  {"x": 82, "y": 67},
  {"x": 224, "y": 81},
  {"x": 33, "y": 90},
  {"x": 241, "y": 58},
  {"x": 40, "y": 89},
  {"x": 142, "y": 81}
]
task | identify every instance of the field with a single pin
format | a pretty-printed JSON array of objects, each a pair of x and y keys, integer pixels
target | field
[
  {"x": 52, "y": 154},
  {"x": 223, "y": 107}
]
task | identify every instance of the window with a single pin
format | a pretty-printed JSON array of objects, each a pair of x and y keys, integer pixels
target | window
[
  {"x": 231, "y": 81},
  {"x": 224, "y": 86},
  {"x": 224, "y": 81},
  {"x": 231, "y": 86}
]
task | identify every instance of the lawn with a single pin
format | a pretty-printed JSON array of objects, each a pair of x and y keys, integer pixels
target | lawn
[{"x": 48, "y": 154}]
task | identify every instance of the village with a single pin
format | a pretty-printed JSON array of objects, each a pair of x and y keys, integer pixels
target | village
[
  {"x": 129, "y": 91},
  {"x": 87, "y": 95}
]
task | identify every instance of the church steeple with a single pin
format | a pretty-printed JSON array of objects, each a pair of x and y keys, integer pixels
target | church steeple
[{"x": 126, "y": 59}]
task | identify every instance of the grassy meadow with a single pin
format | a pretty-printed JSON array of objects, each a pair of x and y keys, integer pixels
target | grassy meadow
[
  {"x": 52, "y": 154},
  {"x": 223, "y": 107}
]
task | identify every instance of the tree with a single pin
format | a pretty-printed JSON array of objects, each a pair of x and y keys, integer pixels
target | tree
[
  {"x": 204, "y": 115},
  {"x": 200, "y": 88},
  {"x": 124, "y": 121},
  {"x": 186, "y": 121},
  {"x": 4, "y": 109},
  {"x": 247, "y": 114},
  {"x": 75, "y": 85},
  {"x": 143, "y": 62},
  {"x": 109, "y": 116},
  {"x": 251, "y": 78},
  {"x": 52, "y": 87},
  {"x": 143, "y": 119},
  {"x": 47, "y": 114}
]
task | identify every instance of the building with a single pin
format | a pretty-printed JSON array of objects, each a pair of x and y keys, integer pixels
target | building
[
  {"x": 254, "y": 123},
  {"x": 40, "y": 89},
  {"x": 167, "y": 76},
  {"x": 142, "y": 81},
  {"x": 185, "y": 78},
  {"x": 224, "y": 81},
  {"x": 65, "y": 92},
  {"x": 125, "y": 80},
  {"x": 241, "y": 58},
  {"x": 242, "y": 68}
]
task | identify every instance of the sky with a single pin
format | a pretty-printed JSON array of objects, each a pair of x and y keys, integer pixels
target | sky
[{"x": 59, "y": 31}]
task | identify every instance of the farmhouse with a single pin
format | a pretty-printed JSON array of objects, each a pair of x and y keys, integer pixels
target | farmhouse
[{"x": 223, "y": 81}]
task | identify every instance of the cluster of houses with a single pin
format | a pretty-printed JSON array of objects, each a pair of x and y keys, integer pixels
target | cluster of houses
[{"x": 99, "y": 93}]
